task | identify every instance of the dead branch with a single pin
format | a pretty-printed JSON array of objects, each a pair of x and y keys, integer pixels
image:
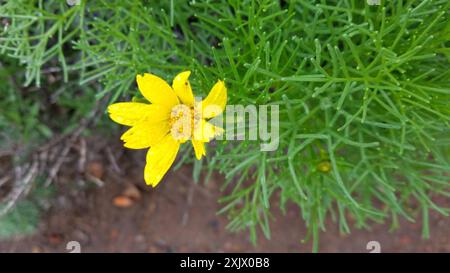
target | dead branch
[
  {"x": 50, "y": 156},
  {"x": 82, "y": 158},
  {"x": 113, "y": 160},
  {"x": 22, "y": 184}
]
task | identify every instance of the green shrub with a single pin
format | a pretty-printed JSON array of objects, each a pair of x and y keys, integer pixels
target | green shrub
[{"x": 364, "y": 92}]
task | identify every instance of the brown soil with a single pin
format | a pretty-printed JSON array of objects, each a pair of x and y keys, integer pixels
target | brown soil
[{"x": 180, "y": 216}]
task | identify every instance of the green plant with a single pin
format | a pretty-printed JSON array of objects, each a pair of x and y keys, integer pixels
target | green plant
[
  {"x": 24, "y": 218},
  {"x": 32, "y": 117},
  {"x": 363, "y": 91}
]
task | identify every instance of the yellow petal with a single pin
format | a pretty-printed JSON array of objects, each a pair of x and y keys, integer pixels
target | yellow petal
[
  {"x": 144, "y": 134},
  {"x": 156, "y": 90},
  {"x": 205, "y": 131},
  {"x": 159, "y": 159},
  {"x": 183, "y": 89},
  {"x": 131, "y": 113},
  {"x": 215, "y": 102},
  {"x": 199, "y": 148}
]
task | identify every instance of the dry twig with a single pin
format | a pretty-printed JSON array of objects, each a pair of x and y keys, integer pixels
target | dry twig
[{"x": 50, "y": 156}]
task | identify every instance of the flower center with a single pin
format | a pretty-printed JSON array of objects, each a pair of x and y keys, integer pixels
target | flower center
[{"x": 183, "y": 120}]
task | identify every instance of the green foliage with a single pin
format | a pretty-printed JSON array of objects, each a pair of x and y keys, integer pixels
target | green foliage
[
  {"x": 27, "y": 114},
  {"x": 24, "y": 218},
  {"x": 18, "y": 114},
  {"x": 364, "y": 92},
  {"x": 31, "y": 115}
]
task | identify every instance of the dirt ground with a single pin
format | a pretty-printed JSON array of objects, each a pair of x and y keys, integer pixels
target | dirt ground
[{"x": 119, "y": 213}]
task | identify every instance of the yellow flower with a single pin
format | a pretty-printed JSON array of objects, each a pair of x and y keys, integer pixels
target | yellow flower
[{"x": 172, "y": 118}]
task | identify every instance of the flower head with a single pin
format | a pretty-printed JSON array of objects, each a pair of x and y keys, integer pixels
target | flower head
[{"x": 172, "y": 117}]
